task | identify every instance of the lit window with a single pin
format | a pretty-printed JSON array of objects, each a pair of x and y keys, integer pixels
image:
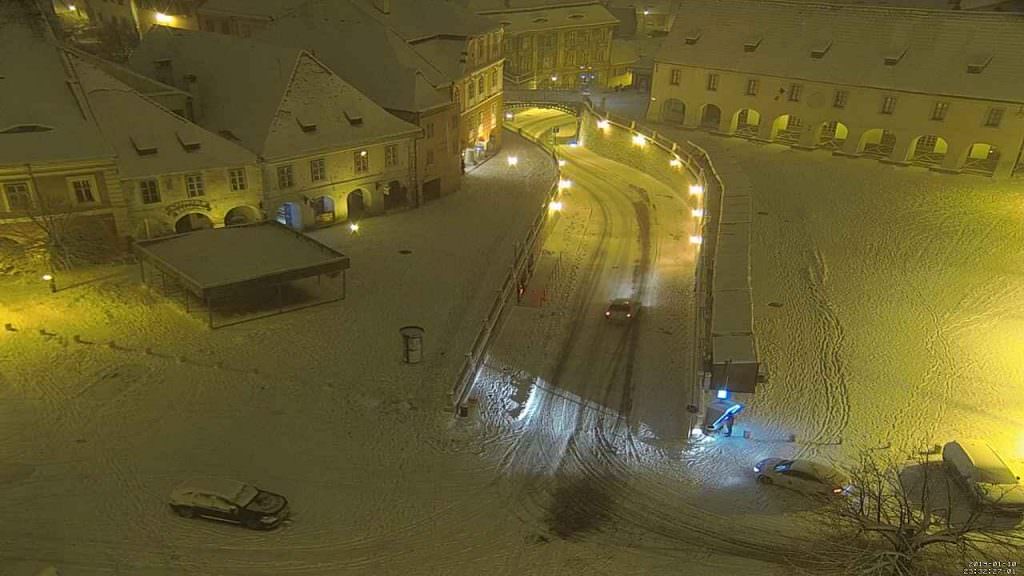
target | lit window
[
  {"x": 237, "y": 178},
  {"x": 18, "y": 196},
  {"x": 939, "y": 111},
  {"x": 82, "y": 189},
  {"x": 361, "y": 161},
  {"x": 285, "y": 176},
  {"x": 317, "y": 170},
  {"x": 149, "y": 191},
  {"x": 194, "y": 185}
]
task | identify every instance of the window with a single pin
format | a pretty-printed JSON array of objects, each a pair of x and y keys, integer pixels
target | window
[
  {"x": 285, "y": 176},
  {"x": 752, "y": 86},
  {"x": 362, "y": 161},
  {"x": 494, "y": 79},
  {"x": 712, "y": 82},
  {"x": 18, "y": 196},
  {"x": 994, "y": 117},
  {"x": 82, "y": 188},
  {"x": 237, "y": 178},
  {"x": 839, "y": 99},
  {"x": 194, "y": 185},
  {"x": 675, "y": 76},
  {"x": 430, "y": 129},
  {"x": 430, "y": 157},
  {"x": 888, "y": 104},
  {"x": 149, "y": 191},
  {"x": 317, "y": 170},
  {"x": 391, "y": 155},
  {"x": 480, "y": 85},
  {"x": 794, "y": 92},
  {"x": 939, "y": 111},
  {"x": 472, "y": 90}
]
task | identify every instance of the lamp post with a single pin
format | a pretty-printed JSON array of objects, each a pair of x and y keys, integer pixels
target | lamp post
[{"x": 53, "y": 282}]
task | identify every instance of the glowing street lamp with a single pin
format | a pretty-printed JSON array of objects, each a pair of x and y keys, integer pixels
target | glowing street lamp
[
  {"x": 697, "y": 212},
  {"x": 695, "y": 239},
  {"x": 162, "y": 18},
  {"x": 72, "y": 8},
  {"x": 639, "y": 140},
  {"x": 53, "y": 282},
  {"x": 513, "y": 160},
  {"x": 354, "y": 227},
  {"x": 696, "y": 190},
  {"x": 509, "y": 116},
  {"x": 564, "y": 183},
  {"x": 603, "y": 124},
  {"x": 675, "y": 163},
  {"x": 554, "y": 78},
  {"x": 561, "y": 162},
  {"x": 555, "y": 206}
]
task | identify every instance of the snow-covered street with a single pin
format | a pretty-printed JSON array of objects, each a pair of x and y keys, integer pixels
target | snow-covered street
[{"x": 885, "y": 305}]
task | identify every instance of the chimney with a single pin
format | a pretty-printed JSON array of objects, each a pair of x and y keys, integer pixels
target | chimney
[{"x": 384, "y": 6}]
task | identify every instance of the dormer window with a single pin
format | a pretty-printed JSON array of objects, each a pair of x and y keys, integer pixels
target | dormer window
[
  {"x": 895, "y": 55},
  {"x": 820, "y": 50},
  {"x": 751, "y": 44},
  {"x": 188, "y": 142},
  {"x": 306, "y": 124},
  {"x": 978, "y": 63},
  {"x": 143, "y": 146},
  {"x": 692, "y": 36},
  {"x": 354, "y": 118}
]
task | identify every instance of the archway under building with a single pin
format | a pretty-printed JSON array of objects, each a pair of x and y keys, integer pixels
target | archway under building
[
  {"x": 323, "y": 209},
  {"x": 710, "y": 117},
  {"x": 191, "y": 222},
  {"x": 877, "y": 142},
  {"x": 832, "y": 134},
  {"x": 241, "y": 215},
  {"x": 356, "y": 204},
  {"x": 982, "y": 158},
  {"x": 290, "y": 215},
  {"x": 928, "y": 149},
  {"x": 395, "y": 195},
  {"x": 673, "y": 111},
  {"x": 786, "y": 129},
  {"x": 745, "y": 122}
]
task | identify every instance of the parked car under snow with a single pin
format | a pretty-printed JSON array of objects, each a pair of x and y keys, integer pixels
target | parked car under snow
[{"x": 229, "y": 501}]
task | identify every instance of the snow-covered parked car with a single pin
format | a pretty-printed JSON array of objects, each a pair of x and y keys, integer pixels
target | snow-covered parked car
[
  {"x": 229, "y": 501},
  {"x": 621, "y": 309},
  {"x": 984, "y": 474},
  {"x": 803, "y": 476}
]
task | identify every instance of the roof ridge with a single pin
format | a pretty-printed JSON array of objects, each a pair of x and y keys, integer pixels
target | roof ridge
[{"x": 879, "y": 9}]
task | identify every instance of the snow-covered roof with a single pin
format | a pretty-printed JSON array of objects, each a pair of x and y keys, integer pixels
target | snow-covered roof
[
  {"x": 251, "y": 8},
  {"x": 156, "y": 141},
  {"x": 387, "y": 70},
  {"x": 484, "y": 6},
  {"x": 138, "y": 82},
  {"x": 43, "y": 114},
  {"x": 551, "y": 17},
  {"x": 276, "y": 100},
  {"x": 624, "y": 51},
  {"x": 446, "y": 55},
  {"x": 415, "y": 20},
  {"x": 956, "y": 53}
]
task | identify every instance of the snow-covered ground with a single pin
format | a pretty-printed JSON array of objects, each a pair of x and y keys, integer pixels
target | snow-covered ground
[{"x": 885, "y": 303}]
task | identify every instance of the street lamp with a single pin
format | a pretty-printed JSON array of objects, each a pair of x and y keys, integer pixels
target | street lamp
[
  {"x": 354, "y": 227},
  {"x": 555, "y": 206},
  {"x": 695, "y": 239},
  {"x": 696, "y": 190},
  {"x": 561, "y": 162},
  {"x": 564, "y": 183},
  {"x": 675, "y": 163},
  {"x": 162, "y": 18},
  {"x": 697, "y": 212},
  {"x": 53, "y": 282},
  {"x": 639, "y": 140},
  {"x": 513, "y": 160},
  {"x": 603, "y": 124}
]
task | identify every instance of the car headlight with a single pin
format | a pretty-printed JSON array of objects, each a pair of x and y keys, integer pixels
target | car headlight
[{"x": 757, "y": 468}]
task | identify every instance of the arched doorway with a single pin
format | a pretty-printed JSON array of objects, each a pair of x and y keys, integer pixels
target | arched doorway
[
  {"x": 323, "y": 210},
  {"x": 787, "y": 128},
  {"x": 356, "y": 204},
  {"x": 832, "y": 134},
  {"x": 191, "y": 222},
  {"x": 240, "y": 215},
  {"x": 395, "y": 195},
  {"x": 710, "y": 117},
  {"x": 673, "y": 111},
  {"x": 290, "y": 215},
  {"x": 877, "y": 142},
  {"x": 928, "y": 150},
  {"x": 981, "y": 159},
  {"x": 745, "y": 122}
]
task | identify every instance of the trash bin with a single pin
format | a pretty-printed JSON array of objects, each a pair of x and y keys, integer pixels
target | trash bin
[{"x": 412, "y": 344}]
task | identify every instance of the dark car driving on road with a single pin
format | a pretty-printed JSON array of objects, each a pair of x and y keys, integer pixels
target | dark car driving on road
[
  {"x": 229, "y": 501},
  {"x": 621, "y": 309}
]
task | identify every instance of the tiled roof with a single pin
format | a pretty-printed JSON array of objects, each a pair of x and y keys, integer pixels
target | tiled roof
[
  {"x": 43, "y": 115},
  {"x": 415, "y": 20},
  {"x": 155, "y": 141},
  {"x": 276, "y": 100},
  {"x": 253, "y": 8},
  {"x": 387, "y": 70},
  {"x": 552, "y": 17},
  {"x": 928, "y": 51},
  {"x": 483, "y": 6}
]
